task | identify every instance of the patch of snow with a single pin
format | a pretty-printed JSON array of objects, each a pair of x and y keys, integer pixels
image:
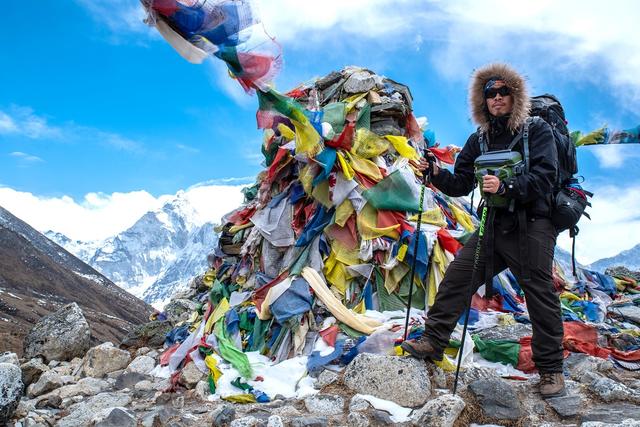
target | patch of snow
[
  {"x": 14, "y": 296},
  {"x": 399, "y": 414}
]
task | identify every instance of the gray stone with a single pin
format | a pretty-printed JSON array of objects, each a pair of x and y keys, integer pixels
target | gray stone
[
  {"x": 49, "y": 380},
  {"x": 357, "y": 419},
  {"x": 116, "y": 417},
  {"x": 358, "y": 82},
  {"x": 497, "y": 398},
  {"x": 325, "y": 378},
  {"x": 9, "y": 357},
  {"x": 245, "y": 422},
  {"x": 325, "y": 404},
  {"x": 629, "y": 312},
  {"x": 473, "y": 373},
  {"x": 142, "y": 351},
  {"x": 32, "y": 370},
  {"x": 620, "y": 270},
  {"x": 84, "y": 387},
  {"x": 382, "y": 418},
  {"x": 103, "y": 359},
  {"x": 190, "y": 375},
  {"x": 403, "y": 380},
  {"x": 80, "y": 414},
  {"x": 625, "y": 423},
  {"x": 438, "y": 377},
  {"x": 566, "y": 406},
  {"x": 610, "y": 390},
  {"x": 151, "y": 334},
  {"x": 10, "y": 390},
  {"x": 309, "y": 422},
  {"x": 508, "y": 332},
  {"x": 611, "y": 413},
  {"x": 275, "y": 421},
  {"x": 128, "y": 380},
  {"x": 179, "y": 309},
  {"x": 62, "y": 335},
  {"x": 358, "y": 404},
  {"x": 144, "y": 385},
  {"x": 202, "y": 390},
  {"x": 442, "y": 411},
  {"x": 142, "y": 365},
  {"x": 50, "y": 401},
  {"x": 223, "y": 415}
]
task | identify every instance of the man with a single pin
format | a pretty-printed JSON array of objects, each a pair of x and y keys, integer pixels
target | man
[{"x": 500, "y": 106}]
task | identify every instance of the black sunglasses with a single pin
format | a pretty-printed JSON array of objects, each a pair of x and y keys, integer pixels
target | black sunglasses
[{"x": 491, "y": 93}]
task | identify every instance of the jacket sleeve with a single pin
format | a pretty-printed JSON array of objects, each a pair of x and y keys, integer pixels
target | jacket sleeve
[
  {"x": 543, "y": 160},
  {"x": 460, "y": 182}
]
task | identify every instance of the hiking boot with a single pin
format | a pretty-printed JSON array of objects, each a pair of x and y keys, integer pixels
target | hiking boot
[
  {"x": 551, "y": 384},
  {"x": 421, "y": 348}
]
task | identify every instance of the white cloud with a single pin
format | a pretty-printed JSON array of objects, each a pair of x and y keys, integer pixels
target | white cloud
[
  {"x": 616, "y": 156},
  {"x": 23, "y": 121},
  {"x": 614, "y": 225},
  {"x": 26, "y": 159},
  {"x": 98, "y": 215},
  {"x": 119, "y": 16}
]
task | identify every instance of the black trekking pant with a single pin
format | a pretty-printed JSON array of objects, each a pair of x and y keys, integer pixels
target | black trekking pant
[{"x": 542, "y": 301}]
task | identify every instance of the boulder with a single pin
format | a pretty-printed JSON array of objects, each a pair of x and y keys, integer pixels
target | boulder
[
  {"x": 9, "y": 357},
  {"x": 403, "y": 380},
  {"x": 325, "y": 404},
  {"x": 442, "y": 411},
  {"x": 10, "y": 390},
  {"x": 80, "y": 414},
  {"x": 128, "y": 380},
  {"x": 179, "y": 309},
  {"x": 496, "y": 398},
  {"x": 103, "y": 359},
  {"x": 115, "y": 417},
  {"x": 566, "y": 406},
  {"x": 151, "y": 334},
  {"x": 610, "y": 390},
  {"x": 614, "y": 413},
  {"x": 508, "y": 332},
  {"x": 223, "y": 415},
  {"x": 84, "y": 387},
  {"x": 50, "y": 380},
  {"x": 190, "y": 375},
  {"x": 62, "y": 335},
  {"x": 32, "y": 370},
  {"x": 142, "y": 365},
  {"x": 325, "y": 378},
  {"x": 358, "y": 82}
]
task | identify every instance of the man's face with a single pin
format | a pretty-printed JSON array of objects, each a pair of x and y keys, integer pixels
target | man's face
[{"x": 498, "y": 101}]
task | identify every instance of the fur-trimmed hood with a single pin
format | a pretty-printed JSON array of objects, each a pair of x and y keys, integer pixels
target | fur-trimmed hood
[{"x": 519, "y": 92}]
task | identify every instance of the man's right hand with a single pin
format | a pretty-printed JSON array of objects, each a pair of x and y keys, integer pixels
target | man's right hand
[{"x": 423, "y": 166}]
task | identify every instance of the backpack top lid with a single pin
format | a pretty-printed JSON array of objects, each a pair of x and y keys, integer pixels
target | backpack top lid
[{"x": 548, "y": 107}]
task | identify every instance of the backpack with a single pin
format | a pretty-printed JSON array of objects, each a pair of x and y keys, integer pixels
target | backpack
[{"x": 569, "y": 199}]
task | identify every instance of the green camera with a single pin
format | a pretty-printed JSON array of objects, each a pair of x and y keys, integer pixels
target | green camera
[{"x": 504, "y": 164}]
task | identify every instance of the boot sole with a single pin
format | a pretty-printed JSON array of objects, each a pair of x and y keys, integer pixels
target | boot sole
[
  {"x": 558, "y": 394},
  {"x": 417, "y": 355}
]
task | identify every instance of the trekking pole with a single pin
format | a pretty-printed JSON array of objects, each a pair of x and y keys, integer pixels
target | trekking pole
[
  {"x": 476, "y": 260},
  {"x": 426, "y": 178}
]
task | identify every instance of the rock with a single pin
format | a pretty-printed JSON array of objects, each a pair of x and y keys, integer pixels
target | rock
[
  {"x": 325, "y": 404},
  {"x": 629, "y": 312},
  {"x": 625, "y": 423},
  {"x": 62, "y": 335},
  {"x": 202, "y": 390},
  {"x": 84, "y": 387},
  {"x": 104, "y": 358},
  {"x": 32, "y": 370},
  {"x": 438, "y": 377},
  {"x": 325, "y": 378},
  {"x": 358, "y": 404},
  {"x": 610, "y": 390},
  {"x": 142, "y": 351},
  {"x": 142, "y": 365},
  {"x": 223, "y": 415},
  {"x": 497, "y": 398},
  {"x": 9, "y": 357},
  {"x": 357, "y": 419},
  {"x": 473, "y": 373},
  {"x": 128, "y": 380},
  {"x": 10, "y": 390},
  {"x": 50, "y": 401},
  {"x": 403, "y": 380},
  {"x": 144, "y": 385},
  {"x": 358, "y": 82},
  {"x": 245, "y": 422},
  {"x": 116, "y": 417},
  {"x": 190, "y": 375},
  {"x": 177, "y": 310},
  {"x": 275, "y": 421},
  {"x": 382, "y": 418},
  {"x": 442, "y": 411},
  {"x": 151, "y": 334},
  {"x": 49, "y": 380},
  {"x": 80, "y": 414},
  {"x": 622, "y": 271},
  {"x": 611, "y": 413},
  {"x": 566, "y": 406},
  {"x": 508, "y": 332},
  {"x": 309, "y": 422}
]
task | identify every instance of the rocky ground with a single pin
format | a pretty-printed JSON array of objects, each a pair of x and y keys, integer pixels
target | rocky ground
[{"x": 111, "y": 386}]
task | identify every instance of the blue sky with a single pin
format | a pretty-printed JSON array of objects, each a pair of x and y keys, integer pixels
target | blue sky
[{"x": 94, "y": 103}]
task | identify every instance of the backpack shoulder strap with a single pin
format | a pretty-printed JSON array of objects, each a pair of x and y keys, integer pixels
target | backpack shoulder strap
[
  {"x": 525, "y": 142},
  {"x": 482, "y": 142}
]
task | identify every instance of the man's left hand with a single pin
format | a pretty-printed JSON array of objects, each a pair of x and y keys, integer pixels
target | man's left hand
[{"x": 490, "y": 184}]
